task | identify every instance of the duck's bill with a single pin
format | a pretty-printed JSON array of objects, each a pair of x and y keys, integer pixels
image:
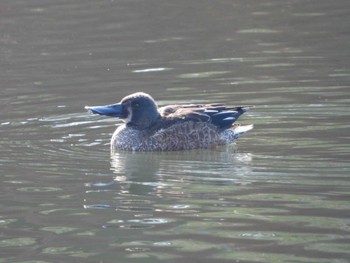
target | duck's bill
[{"x": 114, "y": 110}]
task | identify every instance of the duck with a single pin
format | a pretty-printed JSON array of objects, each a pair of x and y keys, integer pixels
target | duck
[{"x": 148, "y": 127}]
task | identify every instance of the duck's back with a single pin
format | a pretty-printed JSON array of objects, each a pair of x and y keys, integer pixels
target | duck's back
[{"x": 219, "y": 115}]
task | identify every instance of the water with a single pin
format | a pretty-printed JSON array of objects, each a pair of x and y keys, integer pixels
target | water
[{"x": 281, "y": 194}]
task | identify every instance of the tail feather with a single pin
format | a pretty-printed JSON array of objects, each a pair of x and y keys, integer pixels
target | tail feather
[{"x": 241, "y": 129}]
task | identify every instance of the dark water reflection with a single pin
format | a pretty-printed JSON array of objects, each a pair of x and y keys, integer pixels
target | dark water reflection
[{"x": 281, "y": 194}]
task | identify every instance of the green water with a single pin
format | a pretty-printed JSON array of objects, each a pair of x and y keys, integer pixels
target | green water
[{"x": 280, "y": 194}]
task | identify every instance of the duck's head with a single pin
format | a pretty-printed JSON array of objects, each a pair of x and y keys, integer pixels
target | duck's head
[{"x": 138, "y": 110}]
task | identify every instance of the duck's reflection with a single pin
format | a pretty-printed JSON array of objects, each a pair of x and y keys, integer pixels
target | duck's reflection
[
  {"x": 161, "y": 173},
  {"x": 149, "y": 186}
]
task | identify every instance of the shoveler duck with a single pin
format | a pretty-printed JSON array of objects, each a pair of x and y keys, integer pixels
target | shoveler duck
[{"x": 173, "y": 127}]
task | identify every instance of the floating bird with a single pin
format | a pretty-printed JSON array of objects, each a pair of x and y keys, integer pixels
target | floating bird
[{"x": 172, "y": 127}]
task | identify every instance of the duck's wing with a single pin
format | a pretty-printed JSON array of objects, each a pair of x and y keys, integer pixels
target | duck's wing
[{"x": 218, "y": 114}]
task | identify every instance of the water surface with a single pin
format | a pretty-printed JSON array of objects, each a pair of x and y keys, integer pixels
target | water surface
[{"x": 280, "y": 194}]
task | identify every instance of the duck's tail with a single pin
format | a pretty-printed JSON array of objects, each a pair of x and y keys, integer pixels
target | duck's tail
[{"x": 238, "y": 130}]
